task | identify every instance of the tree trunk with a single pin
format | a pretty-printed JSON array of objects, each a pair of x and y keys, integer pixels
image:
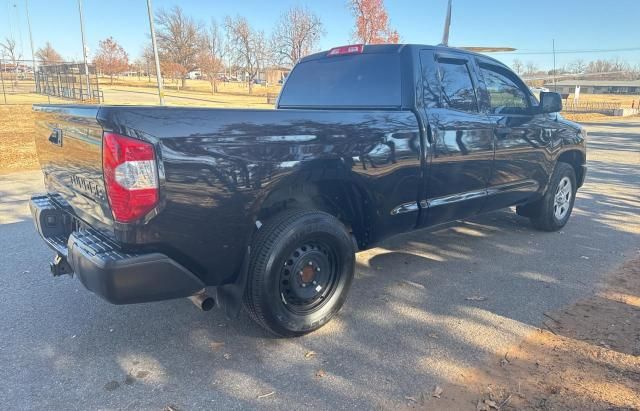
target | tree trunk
[
  {"x": 184, "y": 82},
  {"x": 111, "y": 79},
  {"x": 250, "y": 85}
]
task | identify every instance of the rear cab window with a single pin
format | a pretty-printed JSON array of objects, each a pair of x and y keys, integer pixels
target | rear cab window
[{"x": 371, "y": 80}]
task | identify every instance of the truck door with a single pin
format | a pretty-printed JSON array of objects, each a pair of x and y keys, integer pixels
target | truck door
[
  {"x": 523, "y": 138},
  {"x": 462, "y": 144}
]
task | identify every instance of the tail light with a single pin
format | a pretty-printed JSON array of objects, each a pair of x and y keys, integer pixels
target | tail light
[
  {"x": 130, "y": 176},
  {"x": 342, "y": 50}
]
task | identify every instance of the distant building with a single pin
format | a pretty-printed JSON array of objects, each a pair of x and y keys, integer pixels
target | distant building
[
  {"x": 596, "y": 86},
  {"x": 273, "y": 75}
]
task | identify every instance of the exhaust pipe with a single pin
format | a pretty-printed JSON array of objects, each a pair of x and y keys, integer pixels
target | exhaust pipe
[{"x": 203, "y": 301}]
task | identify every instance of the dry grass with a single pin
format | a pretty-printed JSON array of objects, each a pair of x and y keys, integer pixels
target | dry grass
[
  {"x": 198, "y": 86},
  {"x": 583, "y": 117},
  {"x": 17, "y": 147},
  {"x": 624, "y": 100}
]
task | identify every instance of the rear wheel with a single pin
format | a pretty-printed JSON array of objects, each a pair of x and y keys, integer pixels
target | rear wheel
[
  {"x": 301, "y": 268},
  {"x": 552, "y": 211}
]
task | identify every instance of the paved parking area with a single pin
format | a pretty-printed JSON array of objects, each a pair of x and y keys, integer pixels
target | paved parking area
[{"x": 422, "y": 308}]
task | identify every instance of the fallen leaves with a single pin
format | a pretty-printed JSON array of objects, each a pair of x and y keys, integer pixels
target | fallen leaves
[
  {"x": 309, "y": 354},
  {"x": 476, "y": 298},
  {"x": 321, "y": 373}
]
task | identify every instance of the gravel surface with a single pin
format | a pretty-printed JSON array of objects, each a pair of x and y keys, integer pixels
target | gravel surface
[{"x": 424, "y": 306}]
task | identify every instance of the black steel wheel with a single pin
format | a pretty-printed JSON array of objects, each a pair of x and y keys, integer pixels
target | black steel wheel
[{"x": 301, "y": 267}]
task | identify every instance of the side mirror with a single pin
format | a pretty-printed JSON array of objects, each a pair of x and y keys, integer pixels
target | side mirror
[{"x": 550, "y": 102}]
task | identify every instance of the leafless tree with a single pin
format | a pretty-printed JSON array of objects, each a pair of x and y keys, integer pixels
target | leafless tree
[
  {"x": 531, "y": 68},
  {"x": 599, "y": 66},
  {"x": 296, "y": 34},
  {"x": 178, "y": 39},
  {"x": 246, "y": 44},
  {"x": 212, "y": 52},
  {"x": 149, "y": 61},
  {"x": 577, "y": 66},
  {"x": 517, "y": 66},
  {"x": 9, "y": 48}
]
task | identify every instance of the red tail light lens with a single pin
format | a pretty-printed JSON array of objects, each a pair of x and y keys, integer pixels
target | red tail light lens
[
  {"x": 130, "y": 176},
  {"x": 352, "y": 49}
]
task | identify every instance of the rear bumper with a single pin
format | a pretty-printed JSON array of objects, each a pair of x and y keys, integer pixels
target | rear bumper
[{"x": 117, "y": 276}]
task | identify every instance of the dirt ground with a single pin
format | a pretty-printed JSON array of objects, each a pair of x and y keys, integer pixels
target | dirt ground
[{"x": 586, "y": 357}]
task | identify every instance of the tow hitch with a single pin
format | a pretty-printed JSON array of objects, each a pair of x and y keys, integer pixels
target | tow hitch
[{"x": 59, "y": 266}]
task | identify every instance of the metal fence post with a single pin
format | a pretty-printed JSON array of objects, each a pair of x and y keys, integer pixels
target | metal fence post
[{"x": 4, "y": 93}]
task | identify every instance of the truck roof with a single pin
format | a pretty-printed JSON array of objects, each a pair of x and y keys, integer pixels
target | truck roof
[{"x": 397, "y": 48}]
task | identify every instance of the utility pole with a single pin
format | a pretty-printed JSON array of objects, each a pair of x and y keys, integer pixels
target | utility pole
[
  {"x": 84, "y": 49},
  {"x": 33, "y": 59},
  {"x": 155, "y": 53}
]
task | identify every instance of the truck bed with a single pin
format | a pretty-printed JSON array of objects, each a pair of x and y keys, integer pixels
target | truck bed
[{"x": 216, "y": 166}]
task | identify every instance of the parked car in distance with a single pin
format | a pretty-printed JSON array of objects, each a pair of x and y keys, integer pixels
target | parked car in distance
[{"x": 266, "y": 208}]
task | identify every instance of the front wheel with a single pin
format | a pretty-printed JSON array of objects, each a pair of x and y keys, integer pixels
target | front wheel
[
  {"x": 301, "y": 268},
  {"x": 552, "y": 211}
]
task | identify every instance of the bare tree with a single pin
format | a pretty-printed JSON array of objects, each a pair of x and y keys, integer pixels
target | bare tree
[
  {"x": 296, "y": 34},
  {"x": 9, "y": 48},
  {"x": 178, "y": 38},
  {"x": 517, "y": 65},
  {"x": 111, "y": 58},
  {"x": 531, "y": 68},
  {"x": 211, "y": 55},
  {"x": 149, "y": 61},
  {"x": 372, "y": 22},
  {"x": 48, "y": 55},
  {"x": 599, "y": 66},
  {"x": 577, "y": 66},
  {"x": 245, "y": 43}
]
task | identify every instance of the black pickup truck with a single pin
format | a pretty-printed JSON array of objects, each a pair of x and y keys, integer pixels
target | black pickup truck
[{"x": 266, "y": 208}]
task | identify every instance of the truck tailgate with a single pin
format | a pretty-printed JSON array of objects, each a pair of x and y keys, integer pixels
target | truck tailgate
[{"x": 69, "y": 144}]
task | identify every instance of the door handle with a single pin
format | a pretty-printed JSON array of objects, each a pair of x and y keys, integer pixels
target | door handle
[{"x": 56, "y": 137}]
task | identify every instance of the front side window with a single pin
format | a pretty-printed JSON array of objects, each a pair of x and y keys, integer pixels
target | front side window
[
  {"x": 505, "y": 95},
  {"x": 457, "y": 90}
]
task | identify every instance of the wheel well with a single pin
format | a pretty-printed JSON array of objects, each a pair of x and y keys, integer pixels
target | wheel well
[
  {"x": 575, "y": 159},
  {"x": 342, "y": 199}
]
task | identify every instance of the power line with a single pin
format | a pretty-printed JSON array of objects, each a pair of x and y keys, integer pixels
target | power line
[{"x": 570, "y": 51}]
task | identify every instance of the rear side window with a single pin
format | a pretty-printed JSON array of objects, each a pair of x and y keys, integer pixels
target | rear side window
[
  {"x": 505, "y": 94},
  {"x": 359, "y": 80},
  {"x": 456, "y": 85}
]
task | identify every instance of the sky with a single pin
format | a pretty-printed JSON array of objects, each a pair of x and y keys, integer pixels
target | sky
[{"x": 529, "y": 26}]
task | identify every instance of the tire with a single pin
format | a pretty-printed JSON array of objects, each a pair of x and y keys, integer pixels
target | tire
[
  {"x": 552, "y": 211},
  {"x": 301, "y": 267}
]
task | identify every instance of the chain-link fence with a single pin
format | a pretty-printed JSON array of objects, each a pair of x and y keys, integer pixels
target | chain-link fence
[{"x": 20, "y": 84}]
